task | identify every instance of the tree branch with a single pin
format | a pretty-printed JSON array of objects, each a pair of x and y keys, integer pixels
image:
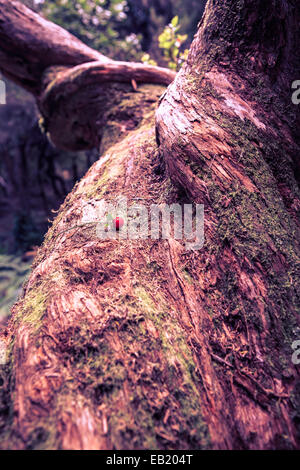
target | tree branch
[{"x": 30, "y": 44}]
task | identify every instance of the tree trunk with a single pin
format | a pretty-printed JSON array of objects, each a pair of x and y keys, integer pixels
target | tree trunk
[{"x": 143, "y": 344}]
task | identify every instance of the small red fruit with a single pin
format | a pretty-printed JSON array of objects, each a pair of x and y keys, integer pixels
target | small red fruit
[{"x": 118, "y": 223}]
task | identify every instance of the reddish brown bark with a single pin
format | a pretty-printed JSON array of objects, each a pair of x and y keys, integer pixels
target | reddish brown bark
[{"x": 143, "y": 344}]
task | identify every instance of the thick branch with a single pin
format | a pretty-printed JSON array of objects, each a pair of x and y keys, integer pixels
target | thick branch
[
  {"x": 63, "y": 73},
  {"x": 30, "y": 44}
]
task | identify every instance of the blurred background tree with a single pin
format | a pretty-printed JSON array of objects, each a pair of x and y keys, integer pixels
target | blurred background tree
[{"x": 35, "y": 177}]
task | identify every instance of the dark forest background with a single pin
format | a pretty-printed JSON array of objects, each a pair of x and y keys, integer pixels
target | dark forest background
[{"x": 34, "y": 175}]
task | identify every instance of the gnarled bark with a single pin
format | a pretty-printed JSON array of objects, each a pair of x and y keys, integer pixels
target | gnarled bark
[{"x": 121, "y": 344}]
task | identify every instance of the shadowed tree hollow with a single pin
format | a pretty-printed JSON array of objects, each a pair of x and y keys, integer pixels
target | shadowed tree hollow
[{"x": 143, "y": 344}]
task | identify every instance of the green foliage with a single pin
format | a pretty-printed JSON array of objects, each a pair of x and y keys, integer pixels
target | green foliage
[
  {"x": 170, "y": 41},
  {"x": 101, "y": 24}
]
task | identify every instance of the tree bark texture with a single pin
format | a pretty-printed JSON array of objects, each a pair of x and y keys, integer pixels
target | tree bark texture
[
  {"x": 142, "y": 344},
  {"x": 30, "y": 44}
]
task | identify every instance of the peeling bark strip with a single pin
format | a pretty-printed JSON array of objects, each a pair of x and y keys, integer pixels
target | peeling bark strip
[{"x": 119, "y": 344}]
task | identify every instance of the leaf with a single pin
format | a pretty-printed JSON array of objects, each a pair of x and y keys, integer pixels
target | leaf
[
  {"x": 174, "y": 21},
  {"x": 145, "y": 58},
  {"x": 175, "y": 52},
  {"x": 182, "y": 37},
  {"x": 172, "y": 65}
]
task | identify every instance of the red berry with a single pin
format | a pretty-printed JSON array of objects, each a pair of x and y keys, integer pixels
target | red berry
[{"x": 118, "y": 222}]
